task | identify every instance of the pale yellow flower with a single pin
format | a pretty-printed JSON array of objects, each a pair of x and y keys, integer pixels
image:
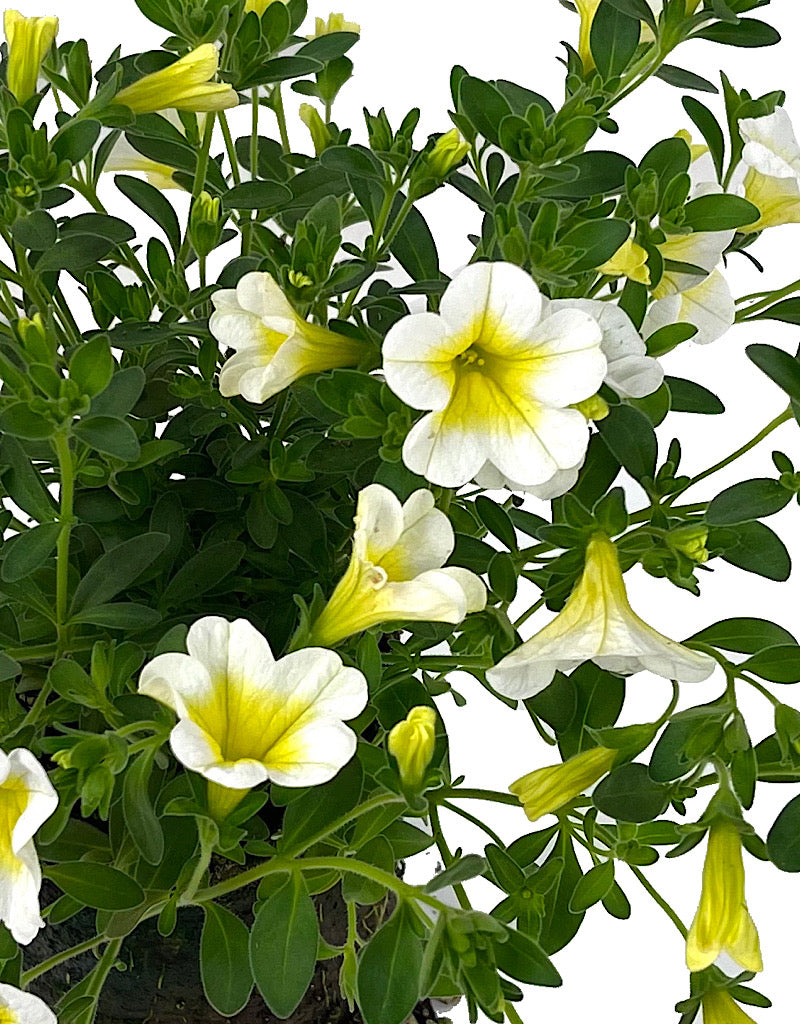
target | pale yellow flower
[
  {"x": 411, "y": 743},
  {"x": 245, "y": 718},
  {"x": 28, "y": 40},
  {"x": 719, "y": 1007},
  {"x": 777, "y": 199},
  {"x": 630, "y": 261},
  {"x": 124, "y": 158},
  {"x": 696, "y": 150},
  {"x": 183, "y": 85},
  {"x": 395, "y": 571},
  {"x": 597, "y": 623},
  {"x": 335, "y": 23},
  {"x": 546, "y": 789},
  {"x": 723, "y": 922},
  {"x": 587, "y": 10},
  {"x": 274, "y": 344}
]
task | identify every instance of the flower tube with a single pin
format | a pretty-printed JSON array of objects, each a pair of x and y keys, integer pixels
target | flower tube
[
  {"x": 183, "y": 85},
  {"x": 547, "y": 789},
  {"x": 395, "y": 571},
  {"x": 597, "y": 623},
  {"x": 28, "y": 40}
]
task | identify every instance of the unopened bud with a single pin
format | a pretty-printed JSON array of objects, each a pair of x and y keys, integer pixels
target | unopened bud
[
  {"x": 594, "y": 408},
  {"x": 411, "y": 743},
  {"x": 205, "y": 224},
  {"x": 320, "y": 135},
  {"x": 449, "y": 150},
  {"x": 690, "y": 540},
  {"x": 335, "y": 23}
]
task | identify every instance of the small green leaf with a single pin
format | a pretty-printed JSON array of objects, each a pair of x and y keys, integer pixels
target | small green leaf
[
  {"x": 461, "y": 870},
  {"x": 389, "y": 970},
  {"x": 744, "y": 635},
  {"x": 680, "y": 78},
  {"x": 749, "y": 32},
  {"x": 778, "y": 664},
  {"x": 783, "y": 841},
  {"x": 719, "y": 213},
  {"x": 760, "y": 550},
  {"x": 92, "y": 366},
  {"x": 613, "y": 39},
  {"x": 689, "y": 396},
  {"x": 24, "y": 553},
  {"x": 152, "y": 201},
  {"x": 747, "y": 500},
  {"x": 140, "y": 818},
  {"x": 109, "y": 435},
  {"x": 630, "y": 794},
  {"x": 225, "y": 961},
  {"x": 283, "y": 946},
  {"x": 523, "y": 959},
  {"x": 257, "y": 195},
  {"x": 117, "y": 569},
  {"x": 126, "y": 615},
  {"x": 96, "y": 885},
  {"x": 592, "y": 887},
  {"x": 779, "y": 366},
  {"x": 632, "y": 440}
]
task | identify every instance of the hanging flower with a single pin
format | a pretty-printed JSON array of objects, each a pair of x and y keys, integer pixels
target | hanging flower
[
  {"x": 27, "y": 799},
  {"x": 395, "y": 569},
  {"x": 18, "y": 1007},
  {"x": 719, "y": 1007},
  {"x": 411, "y": 743},
  {"x": 772, "y": 157},
  {"x": 499, "y": 378},
  {"x": 274, "y": 344},
  {"x": 28, "y": 40},
  {"x": 723, "y": 922},
  {"x": 244, "y": 718},
  {"x": 597, "y": 623},
  {"x": 547, "y": 789},
  {"x": 184, "y": 85}
]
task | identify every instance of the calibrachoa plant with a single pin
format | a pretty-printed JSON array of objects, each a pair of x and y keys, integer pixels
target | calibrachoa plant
[{"x": 270, "y": 475}]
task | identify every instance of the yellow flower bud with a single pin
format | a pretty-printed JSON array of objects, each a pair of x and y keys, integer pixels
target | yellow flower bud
[
  {"x": 185, "y": 85},
  {"x": 449, "y": 150},
  {"x": 630, "y": 261},
  {"x": 691, "y": 541},
  {"x": 28, "y": 40},
  {"x": 546, "y": 789},
  {"x": 411, "y": 743},
  {"x": 594, "y": 408},
  {"x": 722, "y": 921},
  {"x": 587, "y": 10},
  {"x": 320, "y": 135},
  {"x": 259, "y": 6},
  {"x": 335, "y": 23},
  {"x": 719, "y": 1007},
  {"x": 695, "y": 150}
]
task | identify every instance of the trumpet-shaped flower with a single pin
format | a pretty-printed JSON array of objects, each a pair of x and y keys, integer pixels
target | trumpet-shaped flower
[
  {"x": 597, "y": 623},
  {"x": 123, "y": 157},
  {"x": 18, "y": 1007},
  {"x": 395, "y": 571},
  {"x": 28, "y": 40},
  {"x": 27, "y": 799},
  {"x": 719, "y": 1007},
  {"x": 723, "y": 922},
  {"x": 411, "y": 743},
  {"x": 183, "y": 85},
  {"x": 245, "y": 718},
  {"x": 334, "y": 23},
  {"x": 546, "y": 789},
  {"x": 777, "y": 199},
  {"x": 498, "y": 377},
  {"x": 708, "y": 306},
  {"x": 274, "y": 344}
]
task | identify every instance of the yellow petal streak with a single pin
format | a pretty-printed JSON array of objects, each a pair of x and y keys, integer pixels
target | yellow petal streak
[
  {"x": 723, "y": 922},
  {"x": 14, "y": 798}
]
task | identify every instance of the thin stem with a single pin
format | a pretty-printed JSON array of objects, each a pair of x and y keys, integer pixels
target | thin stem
[
  {"x": 527, "y": 614},
  {"x": 511, "y": 1014},
  {"x": 483, "y": 794},
  {"x": 206, "y": 833},
  {"x": 230, "y": 148},
  {"x": 66, "y": 499},
  {"x": 382, "y": 800},
  {"x": 280, "y": 114},
  {"x": 59, "y": 958},
  {"x": 660, "y": 900},
  {"x": 447, "y": 857},
  {"x": 761, "y": 689},
  {"x": 473, "y": 820},
  {"x": 769, "y": 298}
]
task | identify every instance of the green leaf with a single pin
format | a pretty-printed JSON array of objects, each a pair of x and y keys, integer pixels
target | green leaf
[
  {"x": 719, "y": 213},
  {"x": 689, "y": 396},
  {"x": 788, "y": 311},
  {"x": 783, "y": 840},
  {"x": 613, "y": 39},
  {"x": 600, "y": 172},
  {"x": 683, "y": 79},
  {"x": 121, "y": 394},
  {"x": 9, "y": 669},
  {"x": 749, "y": 32},
  {"x": 709, "y": 128},
  {"x": 597, "y": 239},
  {"x": 759, "y": 550},
  {"x": 461, "y": 870},
  {"x": 484, "y": 106},
  {"x": 559, "y": 925},
  {"x": 330, "y": 46},
  {"x": 316, "y": 809},
  {"x": 523, "y": 959},
  {"x": 688, "y": 739},
  {"x": 152, "y": 201},
  {"x": 632, "y": 440},
  {"x": 389, "y": 971},
  {"x": 225, "y": 961},
  {"x": 279, "y": 69},
  {"x": 118, "y": 569},
  {"x": 743, "y": 635},
  {"x": 126, "y": 615},
  {"x": 779, "y": 366},
  {"x": 598, "y": 697},
  {"x": 23, "y": 483},
  {"x": 140, "y": 818},
  {"x": 109, "y": 435},
  {"x": 257, "y": 195},
  {"x": 18, "y": 420},
  {"x": 96, "y": 885},
  {"x": 636, "y": 9},
  {"x": 747, "y": 500},
  {"x": 202, "y": 572},
  {"x": 630, "y": 794},
  {"x": 92, "y": 366},
  {"x": 36, "y": 231},
  {"x": 592, "y": 887},
  {"x": 23, "y": 554},
  {"x": 778, "y": 664},
  {"x": 414, "y": 247},
  {"x": 357, "y": 161},
  {"x": 75, "y": 140},
  {"x": 497, "y": 521},
  {"x": 283, "y": 946},
  {"x": 503, "y": 576}
]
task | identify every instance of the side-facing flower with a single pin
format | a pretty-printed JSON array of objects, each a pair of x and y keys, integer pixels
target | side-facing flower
[
  {"x": 772, "y": 156},
  {"x": 708, "y": 306},
  {"x": 274, "y": 344},
  {"x": 586, "y": 10},
  {"x": 411, "y": 743},
  {"x": 395, "y": 571},
  {"x": 27, "y": 799},
  {"x": 723, "y": 922},
  {"x": 546, "y": 789},
  {"x": 245, "y": 718},
  {"x": 184, "y": 85},
  {"x": 498, "y": 377},
  {"x": 18, "y": 1007},
  {"x": 334, "y": 23},
  {"x": 28, "y": 40},
  {"x": 125, "y": 158},
  {"x": 597, "y": 623},
  {"x": 719, "y": 1007}
]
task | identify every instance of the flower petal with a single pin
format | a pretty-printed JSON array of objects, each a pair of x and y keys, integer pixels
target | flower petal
[
  {"x": 709, "y": 306},
  {"x": 563, "y": 362},
  {"x": 445, "y": 453},
  {"x": 18, "y": 1007},
  {"x": 177, "y": 680},
  {"x": 770, "y": 144},
  {"x": 25, "y": 772},
  {"x": 495, "y": 300},
  {"x": 426, "y": 541},
  {"x": 418, "y": 358},
  {"x": 20, "y": 881},
  {"x": 311, "y": 754},
  {"x": 198, "y": 752},
  {"x": 258, "y": 293},
  {"x": 379, "y": 522},
  {"x": 700, "y": 248}
]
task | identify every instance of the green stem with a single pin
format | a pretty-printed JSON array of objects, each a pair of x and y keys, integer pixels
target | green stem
[
  {"x": 511, "y": 1014},
  {"x": 786, "y": 415},
  {"x": 474, "y": 821},
  {"x": 527, "y": 614},
  {"x": 66, "y": 500},
  {"x": 280, "y": 114},
  {"x": 382, "y": 800},
  {"x": 447, "y": 857},
  {"x": 103, "y": 969},
  {"x": 230, "y": 148},
  {"x": 768, "y": 300},
  {"x": 659, "y": 899},
  {"x": 60, "y": 958},
  {"x": 482, "y": 794},
  {"x": 206, "y": 833},
  {"x": 761, "y": 689}
]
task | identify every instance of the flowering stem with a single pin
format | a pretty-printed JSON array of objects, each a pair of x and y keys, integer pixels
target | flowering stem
[
  {"x": 527, "y": 614},
  {"x": 769, "y": 298},
  {"x": 659, "y": 900},
  {"x": 475, "y": 821},
  {"x": 59, "y": 958},
  {"x": 206, "y": 833},
  {"x": 786, "y": 415},
  {"x": 511, "y": 1014},
  {"x": 483, "y": 794},
  {"x": 382, "y": 800},
  {"x": 230, "y": 149}
]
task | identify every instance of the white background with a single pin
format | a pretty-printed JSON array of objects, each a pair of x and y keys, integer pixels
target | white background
[{"x": 614, "y": 972}]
